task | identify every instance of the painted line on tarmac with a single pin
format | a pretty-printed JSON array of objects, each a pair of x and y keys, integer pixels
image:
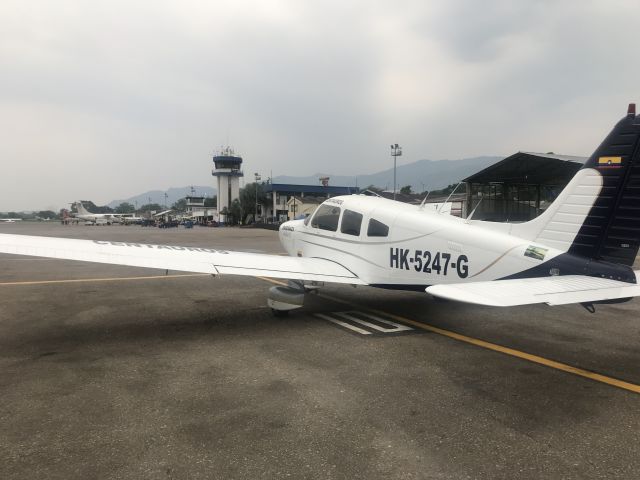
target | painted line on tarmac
[
  {"x": 365, "y": 323},
  {"x": 111, "y": 279},
  {"x": 614, "y": 382}
]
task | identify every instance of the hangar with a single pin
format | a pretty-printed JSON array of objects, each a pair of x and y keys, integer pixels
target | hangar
[{"x": 519, "y": 187}]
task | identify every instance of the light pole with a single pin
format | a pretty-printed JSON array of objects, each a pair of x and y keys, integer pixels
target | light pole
[
  {"x": 396, "y": 151},
  {"x": 257, "y": 177}
]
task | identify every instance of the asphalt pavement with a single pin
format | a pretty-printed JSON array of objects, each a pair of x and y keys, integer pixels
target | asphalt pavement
[{"x": 117, "y": 372}]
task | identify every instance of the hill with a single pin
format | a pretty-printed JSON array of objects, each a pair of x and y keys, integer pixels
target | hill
[
  {"x": 421, "y": 175},
  {"x": 157, "y": 196}
]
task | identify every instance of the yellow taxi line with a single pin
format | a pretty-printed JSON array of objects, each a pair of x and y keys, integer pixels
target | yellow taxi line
[
  {"x": 614, "y": 382},
  {"x": 440, "y": 331}
]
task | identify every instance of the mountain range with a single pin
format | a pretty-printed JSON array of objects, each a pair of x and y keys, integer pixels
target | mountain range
[
  {"x": 421, "y": 175},
  {"x": 157, "y": 196}
]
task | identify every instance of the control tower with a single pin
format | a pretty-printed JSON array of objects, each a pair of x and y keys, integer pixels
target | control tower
[{"x": 227, "y": 170}]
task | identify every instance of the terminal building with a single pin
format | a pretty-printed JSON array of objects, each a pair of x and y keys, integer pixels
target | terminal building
[
  {"x": 282, "y": 206},
  {"x": 197, "y": 211}
]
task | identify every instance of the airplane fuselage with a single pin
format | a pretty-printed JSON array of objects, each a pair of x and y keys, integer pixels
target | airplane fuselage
[
  {"x": 424, "y": 247},
  {"x": 97, "y": 217}
]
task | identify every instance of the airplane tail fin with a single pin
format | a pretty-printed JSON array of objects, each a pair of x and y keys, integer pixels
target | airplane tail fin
[
  {"x": 81, "y": 209},
  {"x": 597, "y": 215}
]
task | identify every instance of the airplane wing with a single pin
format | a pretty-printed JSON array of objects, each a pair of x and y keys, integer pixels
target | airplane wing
[
  {"x": 557, "y": 290},
  {"x": 180, "y": 258}
]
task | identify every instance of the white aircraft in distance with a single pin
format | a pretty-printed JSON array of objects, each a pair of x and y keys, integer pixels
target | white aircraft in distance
[
  {"x": 10, "y": 220},
  {"x": 97, "y": 218},
  {"x": 126, "y": 218},
  {"x": 579, "y": 250}
]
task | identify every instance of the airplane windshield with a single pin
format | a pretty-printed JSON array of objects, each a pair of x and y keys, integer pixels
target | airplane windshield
[
  {"x": 326, "y": 218},
  {"x": 351, "y": 222},
  {"x": 307, "y": 219}
]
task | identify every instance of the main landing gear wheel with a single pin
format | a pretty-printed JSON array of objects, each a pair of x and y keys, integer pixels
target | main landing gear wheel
[{"x": 283, "y": 299}]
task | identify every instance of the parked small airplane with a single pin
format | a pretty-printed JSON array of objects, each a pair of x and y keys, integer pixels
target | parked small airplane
[
  {"x": 10, "y": 220},
  {"x": 97, "y": 218},
  {"x": 579, "y": 250}
]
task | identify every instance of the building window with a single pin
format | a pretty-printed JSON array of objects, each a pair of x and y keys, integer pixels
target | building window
[
  {"x": 326, "y": 218},
  {"x": 351, "y": 222},
  {"x": 377, "y": 229}
]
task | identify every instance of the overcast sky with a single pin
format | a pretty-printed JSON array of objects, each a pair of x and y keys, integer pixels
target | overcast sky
[{"x": 106, "y": 99}]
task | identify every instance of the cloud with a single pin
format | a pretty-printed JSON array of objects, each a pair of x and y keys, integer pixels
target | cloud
[{"x": 102, "y": 100}]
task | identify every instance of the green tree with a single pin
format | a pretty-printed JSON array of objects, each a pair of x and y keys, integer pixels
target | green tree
[
  {"x": 406, "y": 190},
  {"x": 125, "y": 207},
  {"x": 152, "y": 206},
  {"x": 180, "y": 205},
  {"x": 235, "y": 212},
  {"x": 248, "y": 197},
  {"x": 44, "y": 214}
]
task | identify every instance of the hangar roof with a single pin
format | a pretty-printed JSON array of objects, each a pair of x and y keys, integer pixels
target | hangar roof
[{"x": 530, "y": 168}]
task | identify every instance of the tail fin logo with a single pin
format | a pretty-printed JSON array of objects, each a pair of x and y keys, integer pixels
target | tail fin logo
[{"x": 610, "y": 162}]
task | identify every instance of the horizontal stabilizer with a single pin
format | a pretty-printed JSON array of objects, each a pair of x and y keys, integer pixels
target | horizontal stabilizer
[
  {"x": 557, "y": 290},
  {"x": 179, "y": 258}
]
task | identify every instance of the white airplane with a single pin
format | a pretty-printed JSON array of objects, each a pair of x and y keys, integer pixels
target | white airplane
[
  {"x": 130, "y": 218},
  {"x": 10, "y": 220},
  {"x": 579, "y": 250},
  {"x": 97, "y": 218}
]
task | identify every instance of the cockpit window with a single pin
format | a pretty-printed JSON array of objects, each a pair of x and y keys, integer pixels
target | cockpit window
[
  {"x": 307, "y": 219},
  {"x": 377, "y": 229},
  {"x": 326, "y": 218},
  {"x": 351, "y": 222}
]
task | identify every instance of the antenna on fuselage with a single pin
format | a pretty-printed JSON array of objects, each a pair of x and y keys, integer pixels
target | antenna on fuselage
[
  {"x": 452, "y": 192},
  {"x": 424, "y": 201},
  {"x": 474, "y": 210}
]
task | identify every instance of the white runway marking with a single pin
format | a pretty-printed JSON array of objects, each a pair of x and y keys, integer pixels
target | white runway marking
[{"x": 354, "y": 321}]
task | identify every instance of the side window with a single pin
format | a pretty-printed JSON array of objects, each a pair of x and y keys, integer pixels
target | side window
[
  {"x": 326, "y": 218},
  {"x": 351, "y": 222},
  {"x": 377, "y": 229}
]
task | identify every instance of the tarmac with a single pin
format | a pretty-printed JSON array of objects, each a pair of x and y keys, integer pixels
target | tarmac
[{"x": 116, "y": 372}]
